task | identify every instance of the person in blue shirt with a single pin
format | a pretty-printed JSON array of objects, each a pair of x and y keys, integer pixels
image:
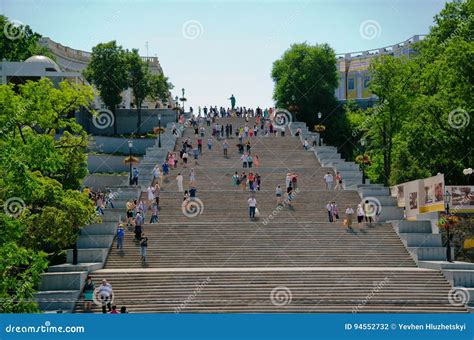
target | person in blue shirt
[
  {"x": 165, "y": 168},
  {"x": 192, "y": 192},
  {"x": 120, "y": 236},
  {"x": 135, "y": 176}
]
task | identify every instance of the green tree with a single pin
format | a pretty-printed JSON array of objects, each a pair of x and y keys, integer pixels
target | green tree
[
  {"x": 423, "y": 122},
  {"x": 19, "y": 42},
  {"x": 160, "y": 87},
  {"x": 107, "y": 70},
  {"x": 306, "y": 78},
  {"x": 139, "y": 82},
  {"x": 40, "y": 175},
  {"x": 391, "y": 81}
]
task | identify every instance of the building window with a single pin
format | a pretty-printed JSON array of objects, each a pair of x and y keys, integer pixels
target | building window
[
  {"x": 350, "y": 84},
  {"x": 366, "y": 82}
]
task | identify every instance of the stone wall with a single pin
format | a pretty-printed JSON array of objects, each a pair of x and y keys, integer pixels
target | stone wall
[
  {"x": 125, "y": 119},
  {"x": 106, "y": 163},
  {"x": 113, "y": 145}
]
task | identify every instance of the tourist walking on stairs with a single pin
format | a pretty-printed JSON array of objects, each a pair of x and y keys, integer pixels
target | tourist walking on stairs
[
  {"x": 154, "y": 214},
  {"x": 150, "y": 195},
  {"x": 143, "y": 247},
  {"x": 138, "y": 226},
  {"x": 335, "y": 211},
  {"x": 256, "y": 161},
  {"x": 329, "y": 210},
  {"x": 338, "y": 181},
  {"x": 328, "y": 179},
  {"x": 179, "y": 179},
  {"x": 105, "y": 293},
  {"x": 192, "y": 178},
  {"x": 88, "y": 292},
  {"x": 349, "y": 214},
  {"x": 367, "y": 212},
  {"x": 120, "y": 236},
  {"x": 278, "y": 194},
  {"x": 225, "y": 147},
  {"x": 252, "y": 202},
  {"x": 360, "y": 214},
  {"x": 243, "y": 181}
]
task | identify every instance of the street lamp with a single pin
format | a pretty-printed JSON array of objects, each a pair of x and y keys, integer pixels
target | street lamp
[
  {"x": 362, "y": 143},
  {"x": 468, "y": 172},
  {"x": 182, "y": 98},
  {"x": 159, "y": 130},
  {"x": 447, "y": 200},
  {"x": 130, "y": 145},
  {"x": 176, "y": 99},
  {"x": 319, "y": 122}
]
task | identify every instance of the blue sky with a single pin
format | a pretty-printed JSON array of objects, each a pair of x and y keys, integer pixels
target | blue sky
[{"x": 216, "y": 48}]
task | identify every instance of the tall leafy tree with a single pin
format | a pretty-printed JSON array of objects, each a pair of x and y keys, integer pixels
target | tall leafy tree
[
  {"x": 19, "y": 42},
  {"x": 160, "y": 87},
  {"x": 139, "y": 81},
  {"x": 40, "y": 174},
  {"x": 423, "y": 122},
  {"x": 305, "y": 79},
  {"x": 107, "y": 70}
]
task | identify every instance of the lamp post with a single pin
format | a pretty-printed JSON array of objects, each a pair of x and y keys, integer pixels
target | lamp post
[
  {"x": 319, "y": 122},
  {"x": 130, "y": 145},
  {"x": 468, "y": 172},
  {"x": 182, "y": 98},
  {"x": 159, "y": 130},
  {"x": 447, "y": 200},
  {"x": 176, "y": 99},
  {"x": 362, "y": 143}
]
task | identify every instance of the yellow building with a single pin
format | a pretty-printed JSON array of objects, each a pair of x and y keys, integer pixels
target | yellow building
[{"x": 353, "y": 68}]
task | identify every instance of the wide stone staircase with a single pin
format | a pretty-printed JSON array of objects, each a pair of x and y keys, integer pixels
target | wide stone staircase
[{"x": 208, "y": 256}]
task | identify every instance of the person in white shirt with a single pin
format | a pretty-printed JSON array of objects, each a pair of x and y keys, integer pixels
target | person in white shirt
[
  {"x": 179, "y": 179},
  {"x": 360, "y": 214},
  {"x": 105, "y": 294},
  {"x": 252, "y": 206},
  {"x": 328, "y": 179},
  {"x": 151, "y": 196},
  {"x": 288, "y": 180},
  {"x": 279, "y": 194},
  {"x": 329, "y": 209},
  {"x": 349, "y": 213}
]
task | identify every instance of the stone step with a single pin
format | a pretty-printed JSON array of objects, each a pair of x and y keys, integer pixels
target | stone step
[
  {"x": 316, "y": 290},
  {"x": 53, "y": 300},
  {"x": 421, "y": 239}
]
